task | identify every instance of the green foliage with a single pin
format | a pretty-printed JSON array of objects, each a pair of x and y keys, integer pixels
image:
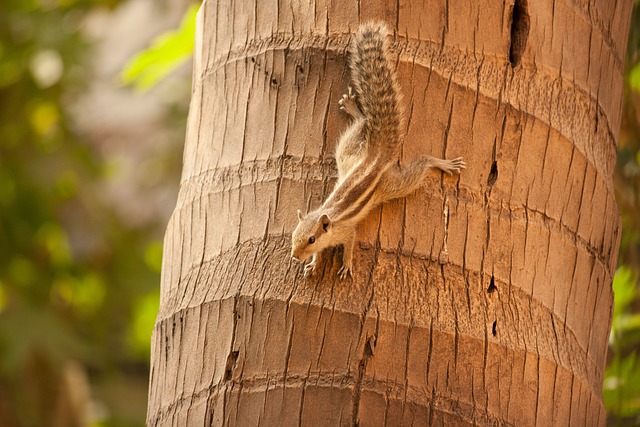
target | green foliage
[
  {"x": 78, "y": 283},
  {"x": 625, "y": 327},
  {"x": 634, "y": 78},
  {"x": 144, "y": 317},
  {"x": 622, "y": 387},
  {"x": 167, "y": 52},
  {"x": 622, "y": 376}
]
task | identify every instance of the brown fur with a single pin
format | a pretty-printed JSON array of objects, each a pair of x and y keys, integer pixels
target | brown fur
[{"x": 366, "y": 155}]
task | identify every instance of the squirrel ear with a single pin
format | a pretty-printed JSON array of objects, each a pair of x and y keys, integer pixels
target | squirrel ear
[
  {"x": 325, "y": 221},
  {"x": 300, "y": 216}
]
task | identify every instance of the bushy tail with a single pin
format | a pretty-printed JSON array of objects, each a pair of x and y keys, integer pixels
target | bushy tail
[{"x": 374, "y": 78}]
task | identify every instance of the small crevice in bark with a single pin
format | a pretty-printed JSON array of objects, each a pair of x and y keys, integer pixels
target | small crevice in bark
[
  {"x": 166, "y": 346},
  {"x": 370, "y": 346},
  {"x": 492, "y": 286},
  {"x": 267, "y": 73},
  {"x": 493, "y": 174},
  {"x": 519, "y": 32},
  {"x": 444, "y": 254},
  {"x": 494, "y": 328},
  {"x": 231, "y": 363},
  {"x": 210, "y": 418}
]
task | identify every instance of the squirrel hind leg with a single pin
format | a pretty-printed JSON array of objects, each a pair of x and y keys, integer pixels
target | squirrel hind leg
[
  {"x": 400, "y": 182},
  {"x": 351, "y": 148},
  {"x": 349, "y": 105}
]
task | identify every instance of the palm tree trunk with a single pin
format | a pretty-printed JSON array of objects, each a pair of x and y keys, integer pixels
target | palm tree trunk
[{"x": 484, "y": 299}]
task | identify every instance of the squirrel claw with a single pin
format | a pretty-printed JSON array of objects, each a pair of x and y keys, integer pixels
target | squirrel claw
[
  {"x": 454, "y": 166},
  {"x": 348, "y": 103},
  {"x": 309, "y": 269},
  {"x": 344, "y": 272}
]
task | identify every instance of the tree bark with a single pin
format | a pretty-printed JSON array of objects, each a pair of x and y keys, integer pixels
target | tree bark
[{"x": 482, "y": 299}]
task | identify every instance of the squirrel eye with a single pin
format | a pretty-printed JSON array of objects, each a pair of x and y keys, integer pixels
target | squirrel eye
[{"x": 312, "y": 239}]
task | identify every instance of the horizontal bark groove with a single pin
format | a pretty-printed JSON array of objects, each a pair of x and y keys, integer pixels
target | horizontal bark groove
[
  {"x": 590, "y": 11},
  {"x": 250, "y": 174},
  {"x": 568, "y": 103},
  {"x": 555, "y": 339},
  {"x": 187, "y": 277},
  {"x": 404, "y": 384},
  {"x": 389, "y": 390}
]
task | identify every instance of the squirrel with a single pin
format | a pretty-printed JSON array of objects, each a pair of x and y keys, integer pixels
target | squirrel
[{"x": 367, "y": 154}]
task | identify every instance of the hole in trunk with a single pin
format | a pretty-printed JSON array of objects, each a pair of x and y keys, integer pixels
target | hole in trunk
[
  {"x": 519, "y": 31},
  {"x": 493, "y": 174},
  {"x": 369, "y": 346},
  {"x": 494, "y": 328},
  {"x": 231, "y": 363},
  {"x": 492, "y": 286}
]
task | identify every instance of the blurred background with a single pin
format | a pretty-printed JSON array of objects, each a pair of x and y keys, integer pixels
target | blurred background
[
  {"x": 89, "y": 174},
  {"x": 93, "y": 105}
]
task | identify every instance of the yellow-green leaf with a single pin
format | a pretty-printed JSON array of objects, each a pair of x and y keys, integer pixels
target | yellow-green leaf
[{"x": 167, "y": 52}]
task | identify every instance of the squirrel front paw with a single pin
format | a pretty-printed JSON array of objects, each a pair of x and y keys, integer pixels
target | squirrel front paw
[
  {"x": 309, "y": 269},
  {"x": 348, "y": 104},
  {"x": 344, "y": 272}
]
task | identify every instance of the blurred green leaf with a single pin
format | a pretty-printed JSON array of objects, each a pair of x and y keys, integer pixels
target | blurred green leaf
[
  {"x": 3, "y": 296},
  {"x": 54, "y": 238},
  {"x": 621, "y": 389},
  {"x": 22, "y": 271},
  {"x": 86, "y": 293},
  {"x": 629, "y": 322},
  {"x": 166, "y": 53},
  {"x": 634, "y": 78},
  {"x": 153, "y": 256},
  {"x": 10, "y": 72},
  {"x": 623, "y": 289},
  {"x": 44, "y": 117},
  {"x": 144, "y": 319},
  {"x": 67, "y": 184},
  {"x": 7, "y": 189}
]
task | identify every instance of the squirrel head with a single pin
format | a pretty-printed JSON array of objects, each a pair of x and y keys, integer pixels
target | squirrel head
[{"x": 312, "y": 234}]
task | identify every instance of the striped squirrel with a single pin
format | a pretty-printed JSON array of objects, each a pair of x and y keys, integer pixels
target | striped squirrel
[{"x": 367, "y": 154}]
